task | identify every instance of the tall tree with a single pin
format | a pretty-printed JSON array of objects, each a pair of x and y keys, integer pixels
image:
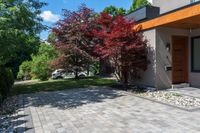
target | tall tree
[
  {"x": 74, "y": 40},
  {"x": 114, "y": 11},
  {"x": 125, "y": 46},
  {"x": 19, "y": 27},
  {"x": 137, "y": 4}
]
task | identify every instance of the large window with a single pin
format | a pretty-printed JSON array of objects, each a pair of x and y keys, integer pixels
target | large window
[
  {"x": 192, "y": 1},
  {"x": 195, "y": 54}
]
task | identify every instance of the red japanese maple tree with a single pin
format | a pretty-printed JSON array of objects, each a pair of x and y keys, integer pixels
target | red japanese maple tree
[
  {"x": 73, "y": 40},
  {"x": 125, "y": 46}
]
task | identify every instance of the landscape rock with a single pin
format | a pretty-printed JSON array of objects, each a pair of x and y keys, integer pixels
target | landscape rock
[{"x": 172, "y": 98}]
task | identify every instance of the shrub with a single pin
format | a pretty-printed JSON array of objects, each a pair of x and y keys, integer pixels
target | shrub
[
  {"x": 38, "y": 67},
  {"x": 41, "y": 62},
  {"x": 6, "y": 82},
  {"x": 25, "y": 70},
  {"x": 41, "y": 67}
]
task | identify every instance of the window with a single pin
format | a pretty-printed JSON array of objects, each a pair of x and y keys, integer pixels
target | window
[
  {"x": 195, "y": 54},
  {"x": 192, "y": 1}
]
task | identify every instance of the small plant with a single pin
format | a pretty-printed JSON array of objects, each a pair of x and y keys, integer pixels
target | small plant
[{"x": 177, "y": 94}]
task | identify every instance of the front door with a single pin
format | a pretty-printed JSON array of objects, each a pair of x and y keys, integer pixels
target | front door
[{"x": 179, "y": 59}]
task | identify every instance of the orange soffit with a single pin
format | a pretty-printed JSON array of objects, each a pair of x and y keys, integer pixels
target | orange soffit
[{"x": 178, "y": 15}]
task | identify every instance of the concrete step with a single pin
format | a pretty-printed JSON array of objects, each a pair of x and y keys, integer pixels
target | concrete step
[{"x": 182, "y": 85}]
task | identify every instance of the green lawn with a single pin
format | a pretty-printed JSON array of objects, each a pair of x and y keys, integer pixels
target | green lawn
[{"x": 54, "y": 85}]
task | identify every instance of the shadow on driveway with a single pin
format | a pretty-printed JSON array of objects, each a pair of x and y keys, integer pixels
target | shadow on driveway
[
  {"x": 70, "y": 98},
  {"x": 62, "y": 100}
]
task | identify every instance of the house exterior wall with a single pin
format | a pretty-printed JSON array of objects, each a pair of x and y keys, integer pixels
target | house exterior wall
[
  {"x": 148, "y": 77},
  {"x": 163, "y": 56},
  {"x": 156, "y": 74},
  {"x": 169, "y": 5},
  {"x": 194, "y": 77}
]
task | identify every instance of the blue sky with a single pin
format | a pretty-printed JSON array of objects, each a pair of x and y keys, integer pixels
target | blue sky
[{"x": 53, "y": 11}]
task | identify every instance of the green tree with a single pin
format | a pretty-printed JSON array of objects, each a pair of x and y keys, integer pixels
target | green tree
[
  {"x": 39, "y": 67},
  {"x": 137, "y": 4},
  {"x": 19, "y": 27},
  {"x": 114, "y": 11},
  {"x": 31, "y": 46},
  {"x": 41, "y": 62}
]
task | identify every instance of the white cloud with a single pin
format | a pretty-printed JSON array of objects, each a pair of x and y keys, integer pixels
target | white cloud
[{"x": 48, "y": 16}]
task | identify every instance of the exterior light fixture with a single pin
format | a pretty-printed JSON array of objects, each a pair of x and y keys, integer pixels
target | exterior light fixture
[
  {"x": 168, "y": 46},
  {"x": 190, "y": 30}
]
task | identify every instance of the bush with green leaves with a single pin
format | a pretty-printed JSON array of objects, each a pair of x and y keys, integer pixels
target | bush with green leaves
[
  {"x": 6, "y": 82},
  {"x": 41, "y": 61},
  {"x": 25, "y": 70},
  {"x": 95, "y": 68},
  {"x": 39, "y": 67}
]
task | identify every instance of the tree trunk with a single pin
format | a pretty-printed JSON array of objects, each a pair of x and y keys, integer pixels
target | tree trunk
[
  {"x": 125, "y": 75},
  {"x": 88, "y": 69},
  {"x": 76, "y": 74},
  {"x": 105, "y": 67}
]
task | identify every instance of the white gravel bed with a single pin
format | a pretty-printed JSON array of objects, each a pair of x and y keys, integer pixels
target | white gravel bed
[{"x": 173, "y": 98}]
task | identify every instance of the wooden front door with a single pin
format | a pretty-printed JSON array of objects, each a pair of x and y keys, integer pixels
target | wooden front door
[{"x": 179, "y": 59}]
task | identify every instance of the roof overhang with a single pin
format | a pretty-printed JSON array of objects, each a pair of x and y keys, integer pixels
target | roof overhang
[{"x": 187, "y": 18}]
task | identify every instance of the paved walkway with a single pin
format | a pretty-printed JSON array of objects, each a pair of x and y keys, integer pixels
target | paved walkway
[{"x": 100, "y": 110}]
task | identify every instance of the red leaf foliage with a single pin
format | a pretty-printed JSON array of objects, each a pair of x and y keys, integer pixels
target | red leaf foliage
[
  {"x": 125, "y": 46},
  {"x": 73, "y": 39}
]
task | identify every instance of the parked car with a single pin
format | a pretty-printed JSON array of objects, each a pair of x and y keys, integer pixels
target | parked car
[
  {"x": 58, "y": 74},
  {"x": 62, "y": 74}
]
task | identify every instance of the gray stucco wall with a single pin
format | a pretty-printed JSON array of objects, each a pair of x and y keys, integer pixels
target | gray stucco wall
[
  {"x": 148, "y": 77},
  {"x": 168, "y": 5},
  {"x": 194, "y": 77},
  {"x": 163, "y": 56},
  {"x": 156, "y": 75}
]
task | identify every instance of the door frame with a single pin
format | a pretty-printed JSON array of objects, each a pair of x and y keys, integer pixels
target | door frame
[{"x": 186, "y": 58}]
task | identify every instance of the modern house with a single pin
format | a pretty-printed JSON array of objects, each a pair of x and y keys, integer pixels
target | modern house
[{"x": 172, "y": 28}]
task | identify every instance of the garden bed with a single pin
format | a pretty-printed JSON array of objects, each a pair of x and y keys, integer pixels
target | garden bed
[
  {"x": 7, "y": 109},
  {"x": 171, "y": 98}
]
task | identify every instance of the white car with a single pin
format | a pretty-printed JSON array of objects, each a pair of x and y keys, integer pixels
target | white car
[
  {"x": 58, "y": 74},
  {"x": 61, "y": 74}
]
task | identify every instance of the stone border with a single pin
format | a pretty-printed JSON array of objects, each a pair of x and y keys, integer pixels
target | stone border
[
  {"x": 160, "y": 102},
  {"x": 186, "y": 95}
]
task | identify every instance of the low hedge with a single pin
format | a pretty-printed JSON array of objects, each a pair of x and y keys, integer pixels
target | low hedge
[{"x": 6, "y": 82}]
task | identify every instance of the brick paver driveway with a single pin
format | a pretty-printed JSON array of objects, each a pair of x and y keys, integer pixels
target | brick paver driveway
[{"x": 101, "y": 110}]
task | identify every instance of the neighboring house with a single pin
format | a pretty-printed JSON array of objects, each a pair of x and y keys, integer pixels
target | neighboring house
[{"x": 172, "y": 28}]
